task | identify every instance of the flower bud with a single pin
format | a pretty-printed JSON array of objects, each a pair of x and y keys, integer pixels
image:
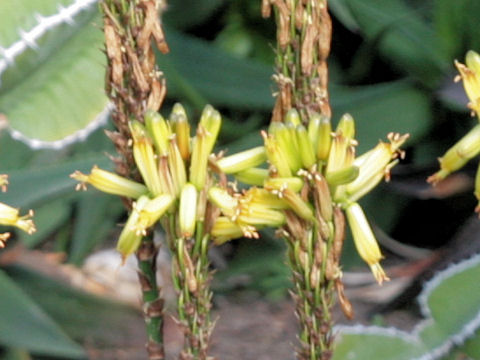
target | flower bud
[
  {"x": 324, "y": 139},
  {"x": 188, "y": 210},
  {"x": 110, "y": 183},
  {"x": 293, "y": 117},
  {"x": 346, "y": 127},
  {"x": 252, "y": 176},
  {"x": 243, "y": 160},
  {"x": 145, "y": 158},
  {"x": 223, "y": 200},
  {"x": 305, "y": 148},
  {"x": 342, "y": 176},
  {"x": 293, "y": 183},
  {"x": 159, "y": 130},
  {"x": 365, "y": 241},
  {"x": 176, "y": 166},
  {"x": 203, "y": 143},
  {"x": 314, "y": 129},
  {"x": 276, "y": 155},
  {"x": 287, "y": 142},
  {"x": 181, "y": 127}
]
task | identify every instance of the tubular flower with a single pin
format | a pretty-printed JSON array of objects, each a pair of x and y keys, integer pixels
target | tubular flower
[
  {"x": 11, "y": 217},
  {"x": 109, "y": 182},
  {"x": 365, "y": 241}
]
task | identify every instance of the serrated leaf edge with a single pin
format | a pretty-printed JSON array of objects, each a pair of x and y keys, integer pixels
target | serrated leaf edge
[
  {"x": 80, "y": 135},
  {"x": 466, "y": 332},
  {"x": 44, "y": 23}
]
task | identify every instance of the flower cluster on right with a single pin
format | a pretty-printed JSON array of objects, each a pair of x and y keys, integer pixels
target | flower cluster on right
[
  {"x": 312, "y": 173},
  {"x": 469, "y": 146}
]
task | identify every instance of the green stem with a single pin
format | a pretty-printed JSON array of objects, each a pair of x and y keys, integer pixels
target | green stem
[
  {"x": 153, "y": 303},
  {"x": 192, "y": 278}
]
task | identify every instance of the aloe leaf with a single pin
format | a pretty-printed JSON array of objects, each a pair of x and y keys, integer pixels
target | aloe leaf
[
  {"x": 51, "y": 70},
  {"x": 34, "y": 186},
  {"x": 404, "y": 37},
  {"x": 382, "y": 108},
  {"x": 195, "y": 67},
  {"x": 84, "y": 317},
  {"x": 450, "y": 303},
  {"x": 95, "y": 218},
  {"x": 24, "y": 325}
]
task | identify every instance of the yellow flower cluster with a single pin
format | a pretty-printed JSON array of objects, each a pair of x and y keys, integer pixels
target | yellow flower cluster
[{"x": 301, "y": 158}]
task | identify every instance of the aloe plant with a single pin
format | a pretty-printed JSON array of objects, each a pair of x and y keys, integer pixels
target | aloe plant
[{"x": 450, "y": 306}]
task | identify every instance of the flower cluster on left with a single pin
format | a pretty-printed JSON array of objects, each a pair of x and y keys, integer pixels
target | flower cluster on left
[{"x": 10, "y": 216}]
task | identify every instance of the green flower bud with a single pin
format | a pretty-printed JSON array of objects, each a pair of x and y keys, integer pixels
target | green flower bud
[
  {"x": 159, "y": 130},
  {"x": 314, "y": 129},
  {"x": 223, "y": 200},
  {"x": 287, "y": 142},
  {"x": 305, "y": 148},
  {"x": 145, "y": 158},
  {"x": 176, "y": 165},
  {"x": 110, "y": 183},
  {"x": 203, "y": 143},
  {"x": 341, "y": 155},
  {"x": 252, "y": 176},
  {"x": 365, "y": 241},
  {"x": 346, "y": 127},
  {"x": 279, "y": 183},
  {"x": 243, "y": 160},
  {"x": 293, "y": 117},
  {"x": 188, "y": 210},
  {"x": 324, "y": 139},
  {"x": 181, "y": 127},
  {"x": 342, "y": 176},
  {"x": 257, "y": 214},
  {"x": 276, "y": 155}
]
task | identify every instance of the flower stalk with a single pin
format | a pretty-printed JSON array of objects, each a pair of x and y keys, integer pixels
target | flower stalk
[{"x": 135, "y": 86}]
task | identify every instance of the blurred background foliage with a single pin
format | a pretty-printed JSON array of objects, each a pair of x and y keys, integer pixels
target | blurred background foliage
[{"x": 391, "y": 67}]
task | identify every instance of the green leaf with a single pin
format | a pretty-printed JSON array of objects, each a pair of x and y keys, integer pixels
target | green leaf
[
  {"x": 86, "y": 318},
  {"x": 24, "y": 325},
  {"x": 198, "y": 11},
  {"x": 383, "y": 108},
  {"x": 95, "y": 218},
  {"x": 47, "y": 219},
  {"x": 52, "y": 75},
  {"x": 203, "y": 73},
  {"x": 450, "y": 304},
  {"x": 404, "y": 38},
  {"x": 30, "y": 187}
]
